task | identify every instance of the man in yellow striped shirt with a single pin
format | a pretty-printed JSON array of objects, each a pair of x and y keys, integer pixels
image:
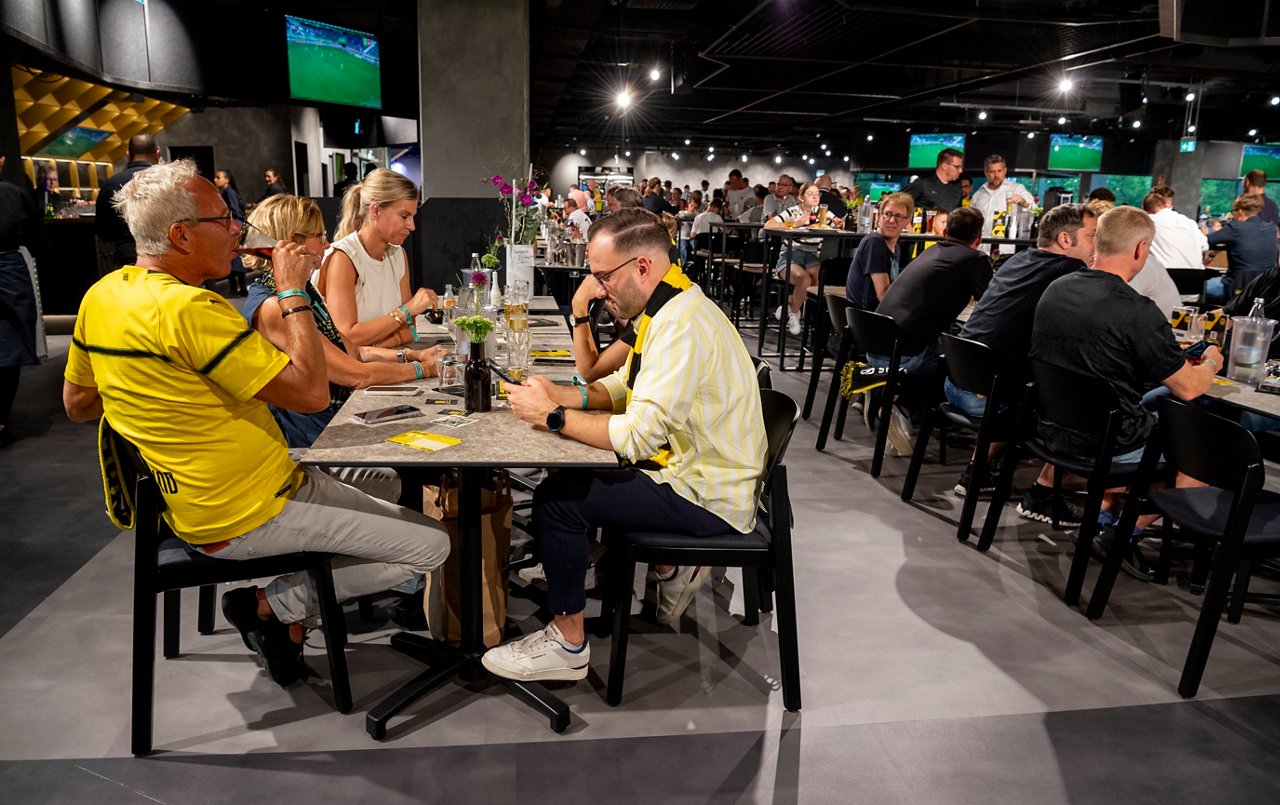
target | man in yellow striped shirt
[{"x": 683, "y": 415}]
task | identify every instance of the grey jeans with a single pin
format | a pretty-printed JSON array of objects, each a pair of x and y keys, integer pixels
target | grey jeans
[{"x": 378, "y": 544}]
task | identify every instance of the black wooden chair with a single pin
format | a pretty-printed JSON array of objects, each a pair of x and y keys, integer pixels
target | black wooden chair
[
  {"x": 973, "y": 368},
  {"x": 1087, "y": 405},
  {"x": 836, "y": 307},
  {"x": 768, "y": 547},
  {"x": 1190, "y": 282},
  {"x": 165, "y": 564},
  {"x": 877, "y": 334}
]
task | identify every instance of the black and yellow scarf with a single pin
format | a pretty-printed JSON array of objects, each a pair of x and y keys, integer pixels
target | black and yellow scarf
[{"x": 674, "y": 282}]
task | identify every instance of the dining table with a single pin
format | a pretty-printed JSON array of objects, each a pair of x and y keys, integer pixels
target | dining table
[{"x": 490, "y": 441}]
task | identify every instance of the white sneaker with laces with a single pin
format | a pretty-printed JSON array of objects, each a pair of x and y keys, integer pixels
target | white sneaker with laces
[
  {"x": 777, "y": 314},
  {"x": 675, "y": 594},
  {"x": 900, "y": 433},
  {"x": 538, "y": 657},
  {"x": 793, "y": 324}
]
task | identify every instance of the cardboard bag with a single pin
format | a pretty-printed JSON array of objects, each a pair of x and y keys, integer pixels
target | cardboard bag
[{"x": 443, "y": 597}]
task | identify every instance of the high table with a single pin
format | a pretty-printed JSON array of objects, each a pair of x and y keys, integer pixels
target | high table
[
  {"x": 497, "y": 439},
  {"x": 1242, "y": 395}
]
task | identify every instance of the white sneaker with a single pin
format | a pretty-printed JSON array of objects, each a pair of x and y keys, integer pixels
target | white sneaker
[
  {"x": 676, "y": 593},
  {"x": 900, "y": 433},
  {"x": 538, "y": 576},
  {"x": 538, "y": 657},
  {"x": 777, "y": 314},
  {"x": 793, "y": 324}
]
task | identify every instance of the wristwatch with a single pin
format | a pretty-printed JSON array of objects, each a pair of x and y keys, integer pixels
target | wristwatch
[
  {"x": 555, "y": 419},
  {"x": 581, "y": 320}
]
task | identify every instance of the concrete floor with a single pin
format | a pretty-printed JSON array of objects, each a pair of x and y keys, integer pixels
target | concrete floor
[{"x": 931, "y": 673}]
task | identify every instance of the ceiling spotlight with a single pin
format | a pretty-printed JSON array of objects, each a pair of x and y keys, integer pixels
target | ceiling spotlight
[
  {"x": 870, "y": 137},
  {"x": 1031, "y": 135},
  {"x": 626, "y": 153},
  {"x": 1191, "y": 129},
  {"x": 1062, "y": 121},
  {"x": 810, "y": 160},
  {"x": 777, "y": 160},
  {"x": 804, "y": 157},
  {"x": 824, "y": 146},
  {"x": 982, "y": 115},
  {"x": 1144, "y": 99},
  {"x": 846, "y": 159},
  {"x": 582, "y": 152},
  {"x": 686, "y": 142},
  {"x": 711, "y": 149},
  {"x": 818, "y": 135},
  {"x": 1137, "y": 124},
  {"x": 1275, "y": 100},
  {"x": 711, "y": 157},
  {"x": 675, "y": 156},
  {"x": 624, "y": 99},
  {"x": 655, "y": 74},
  {"x": 1253, "y": 132},
  {"x": 744, "y": 157},
  {"x": 1066, "y": 85},
  {"x": 1191, "y": 96}
]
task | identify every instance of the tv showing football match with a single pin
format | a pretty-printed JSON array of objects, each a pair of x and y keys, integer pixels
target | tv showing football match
[
  {"x": 332, "y": 64},
  {"x": 1071, "y": 153},
  {"x": 1261, "y": 157},
  {"x": 925, "y": 147}
]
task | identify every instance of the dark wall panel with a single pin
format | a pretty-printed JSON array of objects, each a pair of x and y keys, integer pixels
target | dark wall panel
[
  {"x": 25, "y": 17},
  {"x": 1132, "y": 158},
  {"x": 73, "y": 29},
  {"x": 174, "y": 61},
  {"x": 123, "y": 29}
]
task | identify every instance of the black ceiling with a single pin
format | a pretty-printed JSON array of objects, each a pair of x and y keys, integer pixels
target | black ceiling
[{"x": 780, "y": 72}]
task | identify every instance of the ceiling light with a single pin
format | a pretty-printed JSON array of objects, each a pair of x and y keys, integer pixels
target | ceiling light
[
  {"x": 1191, "y": 96},
  {"x": 626, "y": 153},
  {"x": 982, "y": 115},
  {"x": 824, "y": 146},
  {"x": 1066, "y": 85},
  {"x": 1137, "y": 124},
  {"x": 1191, "y": 129},
  {"x": 624, "y": 99},
  {"x": 846, "y": 159},
  {"x": 582, "y": 152},
  {"x": 655, "y": 74},
  {"x": 1253, "y": 132},
  {"x": 1031, "y": 135},
  {"x": 870, "y": 137},
  {"x": 810, "y": 160},
  {"x": 1062, "y": 121},
  {"x": 1275, "y": 100},
  {"x": 1144, "y": 99},
  {"x": 675, "y": 156},
  {"x": 711, "y": 157},
  {"x": 804, "y": 157},
  {"x": 744, "y": 157},
  {"x": 777, "y": 160},
  {"x": 818, "y": 135},
  {"x": 711, "y": 149},
  {"x": 686, "y": 142}
]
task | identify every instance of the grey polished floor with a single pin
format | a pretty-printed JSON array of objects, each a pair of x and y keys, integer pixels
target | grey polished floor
[{"x": 931, "y": 673}]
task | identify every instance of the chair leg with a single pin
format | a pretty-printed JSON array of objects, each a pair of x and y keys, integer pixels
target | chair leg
[
  {"x": 1121, "y": 543},
  {"x": 942, "y": 442},
  {"x": 1004, "y": 488},
  {"x": 1243, "y": 572},
  {"x": 621, "y": 622},
  {"x": 833, "y": 394},
  {"x": 205, "y": 608},
  {"x": 815, "y": 373},
  {"x": 172, "y": 623},
  {"x": 364, "y": 606},
  {"x": 841, "y": 416},
  {"x": 882, "y": 430},
  {"x": 335, "y": 636},
  {"x": 788, "y": 639},
  {"x": 917, "y": 455},
  {"x": 750, "y": 596},
  {"x": 1215, "y": 599},
  {"x": 1084, "y": 540},
  {"x": 144, "y": 670}
]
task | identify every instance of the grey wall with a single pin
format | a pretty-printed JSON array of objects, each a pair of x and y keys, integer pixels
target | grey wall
[
  {"x": 474, "y": 111},
  {"x": 245, "y": 141},
  {"x": 1210, "y": 160}
]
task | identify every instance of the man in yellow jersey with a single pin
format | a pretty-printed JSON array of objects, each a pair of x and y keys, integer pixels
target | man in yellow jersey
[
  {"x": 685, "y": 422},
  {"x": 176, "y": 371}
]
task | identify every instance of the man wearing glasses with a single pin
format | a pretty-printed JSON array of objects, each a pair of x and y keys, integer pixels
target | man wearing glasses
[
  {"x": 684, "y": 418},
  {"x": 939, "y": 190},
  {"x": 875, "y": 263},
  {"x": 176, "y": 371},
  {"x": 782, "y": 198}
]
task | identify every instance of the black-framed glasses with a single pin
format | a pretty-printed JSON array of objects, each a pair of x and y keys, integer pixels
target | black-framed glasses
[
  {"x": 893, "y": 216},
  {"x": 224, "y": 219},
  {"x": 604, "y": 276}
]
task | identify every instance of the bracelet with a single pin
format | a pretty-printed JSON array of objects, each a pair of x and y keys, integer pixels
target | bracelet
[
  {"x": 400, "y": 356},
  {"x": 285, "y": 294},
  {"x": 583, "y": 391},
  {"x": 578, "y": 380},
  {"x": 408, "y": 317},
  {"x": 579, "y": 320},
  {"x": 293, "y": 310},
  {"x": 413, "y": 332},
  {"x": 417, "y": 369}
]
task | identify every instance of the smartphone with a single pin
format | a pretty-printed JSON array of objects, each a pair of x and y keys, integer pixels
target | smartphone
[
  {"x": 394, "y": 391},
  {"x": 380, "y": 415},
  {"x": 504, "y": 374},
  {"x": 1196, "y": 350},
  {"x": 1270, "y": 386}
]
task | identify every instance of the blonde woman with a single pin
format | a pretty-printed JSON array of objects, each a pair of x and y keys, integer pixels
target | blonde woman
[
  {"x": 285, "y": 217},
  {"x": 365, "y": 278},
  {"x": 802, "y": 271}
]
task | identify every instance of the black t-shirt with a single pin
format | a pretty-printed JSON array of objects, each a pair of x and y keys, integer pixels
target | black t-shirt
[
  {"x": 873, "y": 256},
  {"x": 932, "y": 194},
  {"x": 1265, "y": 286},
  {"x": 1002, "y": 319},
  {"x": 108, "y": 225},
  {"x": 834, "y": 203},
  {"x": 1093, "y": 323},
  {"x": 18, "y": 215},
  {"x": 933, "y": 289}
]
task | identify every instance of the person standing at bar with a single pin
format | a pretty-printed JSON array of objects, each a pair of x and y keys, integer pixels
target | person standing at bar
[
  {"x": 939, "y": 190},
  {"x": 17, "y": 297},
  {"x": 115, "y": 243},
  {"x": 997, "y": 194}
]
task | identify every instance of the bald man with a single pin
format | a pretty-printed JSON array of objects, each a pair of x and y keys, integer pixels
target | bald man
[{"x": 115, "y": 242}]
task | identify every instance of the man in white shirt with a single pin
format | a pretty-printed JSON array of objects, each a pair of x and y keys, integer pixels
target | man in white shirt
[
  {"x": 782, "y": 198},
  {"x": 997, "y": 193},
  {"x": 1178, "y": 243},
  {"x": 739, "y": 194},
  {"x": 577, "y": 218}
]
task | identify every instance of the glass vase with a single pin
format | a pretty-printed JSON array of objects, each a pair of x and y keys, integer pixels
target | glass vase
[{"x": 478, "y": 382}]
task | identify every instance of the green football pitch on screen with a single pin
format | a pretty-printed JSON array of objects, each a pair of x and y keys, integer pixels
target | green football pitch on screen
[
  {"x": 1265, "y": 158},
  {"x": 324, "y": 73},
  {"x": 1075, "y": 153}
]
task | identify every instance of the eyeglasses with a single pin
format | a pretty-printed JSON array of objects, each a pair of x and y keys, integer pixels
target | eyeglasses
[
  {"x": 604, "y": 276},
  {"x": 893, "y": 216},
  {"x": 225, "y": 219}
]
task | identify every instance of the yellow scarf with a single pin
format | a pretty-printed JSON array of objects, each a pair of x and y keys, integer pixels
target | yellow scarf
[{"x": 673, "y": 283}]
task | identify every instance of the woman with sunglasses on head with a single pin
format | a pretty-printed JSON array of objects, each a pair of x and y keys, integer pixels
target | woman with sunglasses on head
[
  {"x": 285, "y": 217},
  {"x": 365, "y": 277}
]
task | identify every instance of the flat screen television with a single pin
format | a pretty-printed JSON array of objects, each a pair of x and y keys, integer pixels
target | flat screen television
[
  {"x": 1261, "y": 157},
  {"x": 332, "y": 64},
  {"x": 1071, "y": 153},
  {"x": 75, "y": 142},
  {"x": 879, "y": 189},
  {"x": 925, "y": 148}
]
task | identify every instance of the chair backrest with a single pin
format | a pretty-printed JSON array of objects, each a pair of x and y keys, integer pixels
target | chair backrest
[
  {"x": 1189, "y": 280},
  {"x": 1072, "y": 400},
  {"x": 1209, "y": 448},
  {"x": 874, "y": 333},
  {"x": 835, "y": 271},
  {"x": 753, "y": 252},
  {"x": 763, "y": 377},
  {"x": 781, "y": 413},
  {"x": 836, "y": 307},
  {"x": 702, "y": 242},
  {"x": 970, "y": 364}
]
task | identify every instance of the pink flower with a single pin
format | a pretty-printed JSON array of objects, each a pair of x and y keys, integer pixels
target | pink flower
[
  {"x": 498, "y": 238},
  {"x": 479, "y": 279},
  {"x": 532, "y": 185},
  {"x": 495, "y": 181},
  {"x": 505, "y": 190},
  {"x": 526, "y": 199}
]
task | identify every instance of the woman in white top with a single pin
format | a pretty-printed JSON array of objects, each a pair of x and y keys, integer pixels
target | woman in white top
[
  {"x": 804, "y": 265},
  {"x": 365, "y": 278}
]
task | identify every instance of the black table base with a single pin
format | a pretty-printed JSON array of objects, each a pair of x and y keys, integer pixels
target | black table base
[{"x": 444, "y": 663}]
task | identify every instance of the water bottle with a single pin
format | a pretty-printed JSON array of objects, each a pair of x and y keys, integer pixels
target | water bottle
[
  {"x": 475, "y": 265},
  {"x": 1250, "y": 341}
]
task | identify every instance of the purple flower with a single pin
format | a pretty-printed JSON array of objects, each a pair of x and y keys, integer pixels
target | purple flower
[
  {"x": 479, "y": 279},
  {"x": 505, "y": 190},
  {"x": 498, "y": 238},
  {"x": 531, "y": 185},
  {"x": 526, "y": 199},
  {"x": 497, "y": 180}
]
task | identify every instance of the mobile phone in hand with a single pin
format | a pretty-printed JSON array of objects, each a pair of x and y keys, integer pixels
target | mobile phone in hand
[
  {"x": 1196, "y": 350},
  {"x": 504, "y": 374}
]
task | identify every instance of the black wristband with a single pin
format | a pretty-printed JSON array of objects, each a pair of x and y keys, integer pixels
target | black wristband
[
  {"x": 293, "y": 310},
  {"x": 577, "y": 320}
]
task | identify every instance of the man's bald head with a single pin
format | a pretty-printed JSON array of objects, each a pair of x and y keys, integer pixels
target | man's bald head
[{"x": 143, "y": 146}]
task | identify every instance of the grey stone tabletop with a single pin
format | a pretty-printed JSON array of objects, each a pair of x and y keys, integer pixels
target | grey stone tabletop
[{"x": 1244, "y": 396}]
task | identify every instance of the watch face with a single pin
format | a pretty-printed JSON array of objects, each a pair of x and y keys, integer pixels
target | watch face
[{"x": 555, "y": 419}]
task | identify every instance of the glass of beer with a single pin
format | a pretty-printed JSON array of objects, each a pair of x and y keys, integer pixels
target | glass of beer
[{"x": 822, "y": 217}]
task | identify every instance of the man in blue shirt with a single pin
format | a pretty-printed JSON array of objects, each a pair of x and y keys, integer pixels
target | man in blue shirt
[{"x": 1251, "y": 248}]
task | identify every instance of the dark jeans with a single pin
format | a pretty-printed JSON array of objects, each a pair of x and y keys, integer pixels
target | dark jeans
[{"x": 570, "y": 504}]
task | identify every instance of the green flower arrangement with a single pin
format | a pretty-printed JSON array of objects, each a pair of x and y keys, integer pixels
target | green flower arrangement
[{"x": 477, "y": 328}]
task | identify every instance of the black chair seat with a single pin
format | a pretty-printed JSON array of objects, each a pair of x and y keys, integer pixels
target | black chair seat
[
  {"x": 1078, "y": 465},
  {"x": 697, "y": 546},
  {"x": 181, "y": 566},
  {"x": 1004, "y": 424},
  {"x": 1204, "y": 510}
]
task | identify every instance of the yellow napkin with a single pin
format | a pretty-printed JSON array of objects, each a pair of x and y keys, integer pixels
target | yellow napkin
[
  {"x": 550, "y": 353},
  {"x": 421, "y": 440}
]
